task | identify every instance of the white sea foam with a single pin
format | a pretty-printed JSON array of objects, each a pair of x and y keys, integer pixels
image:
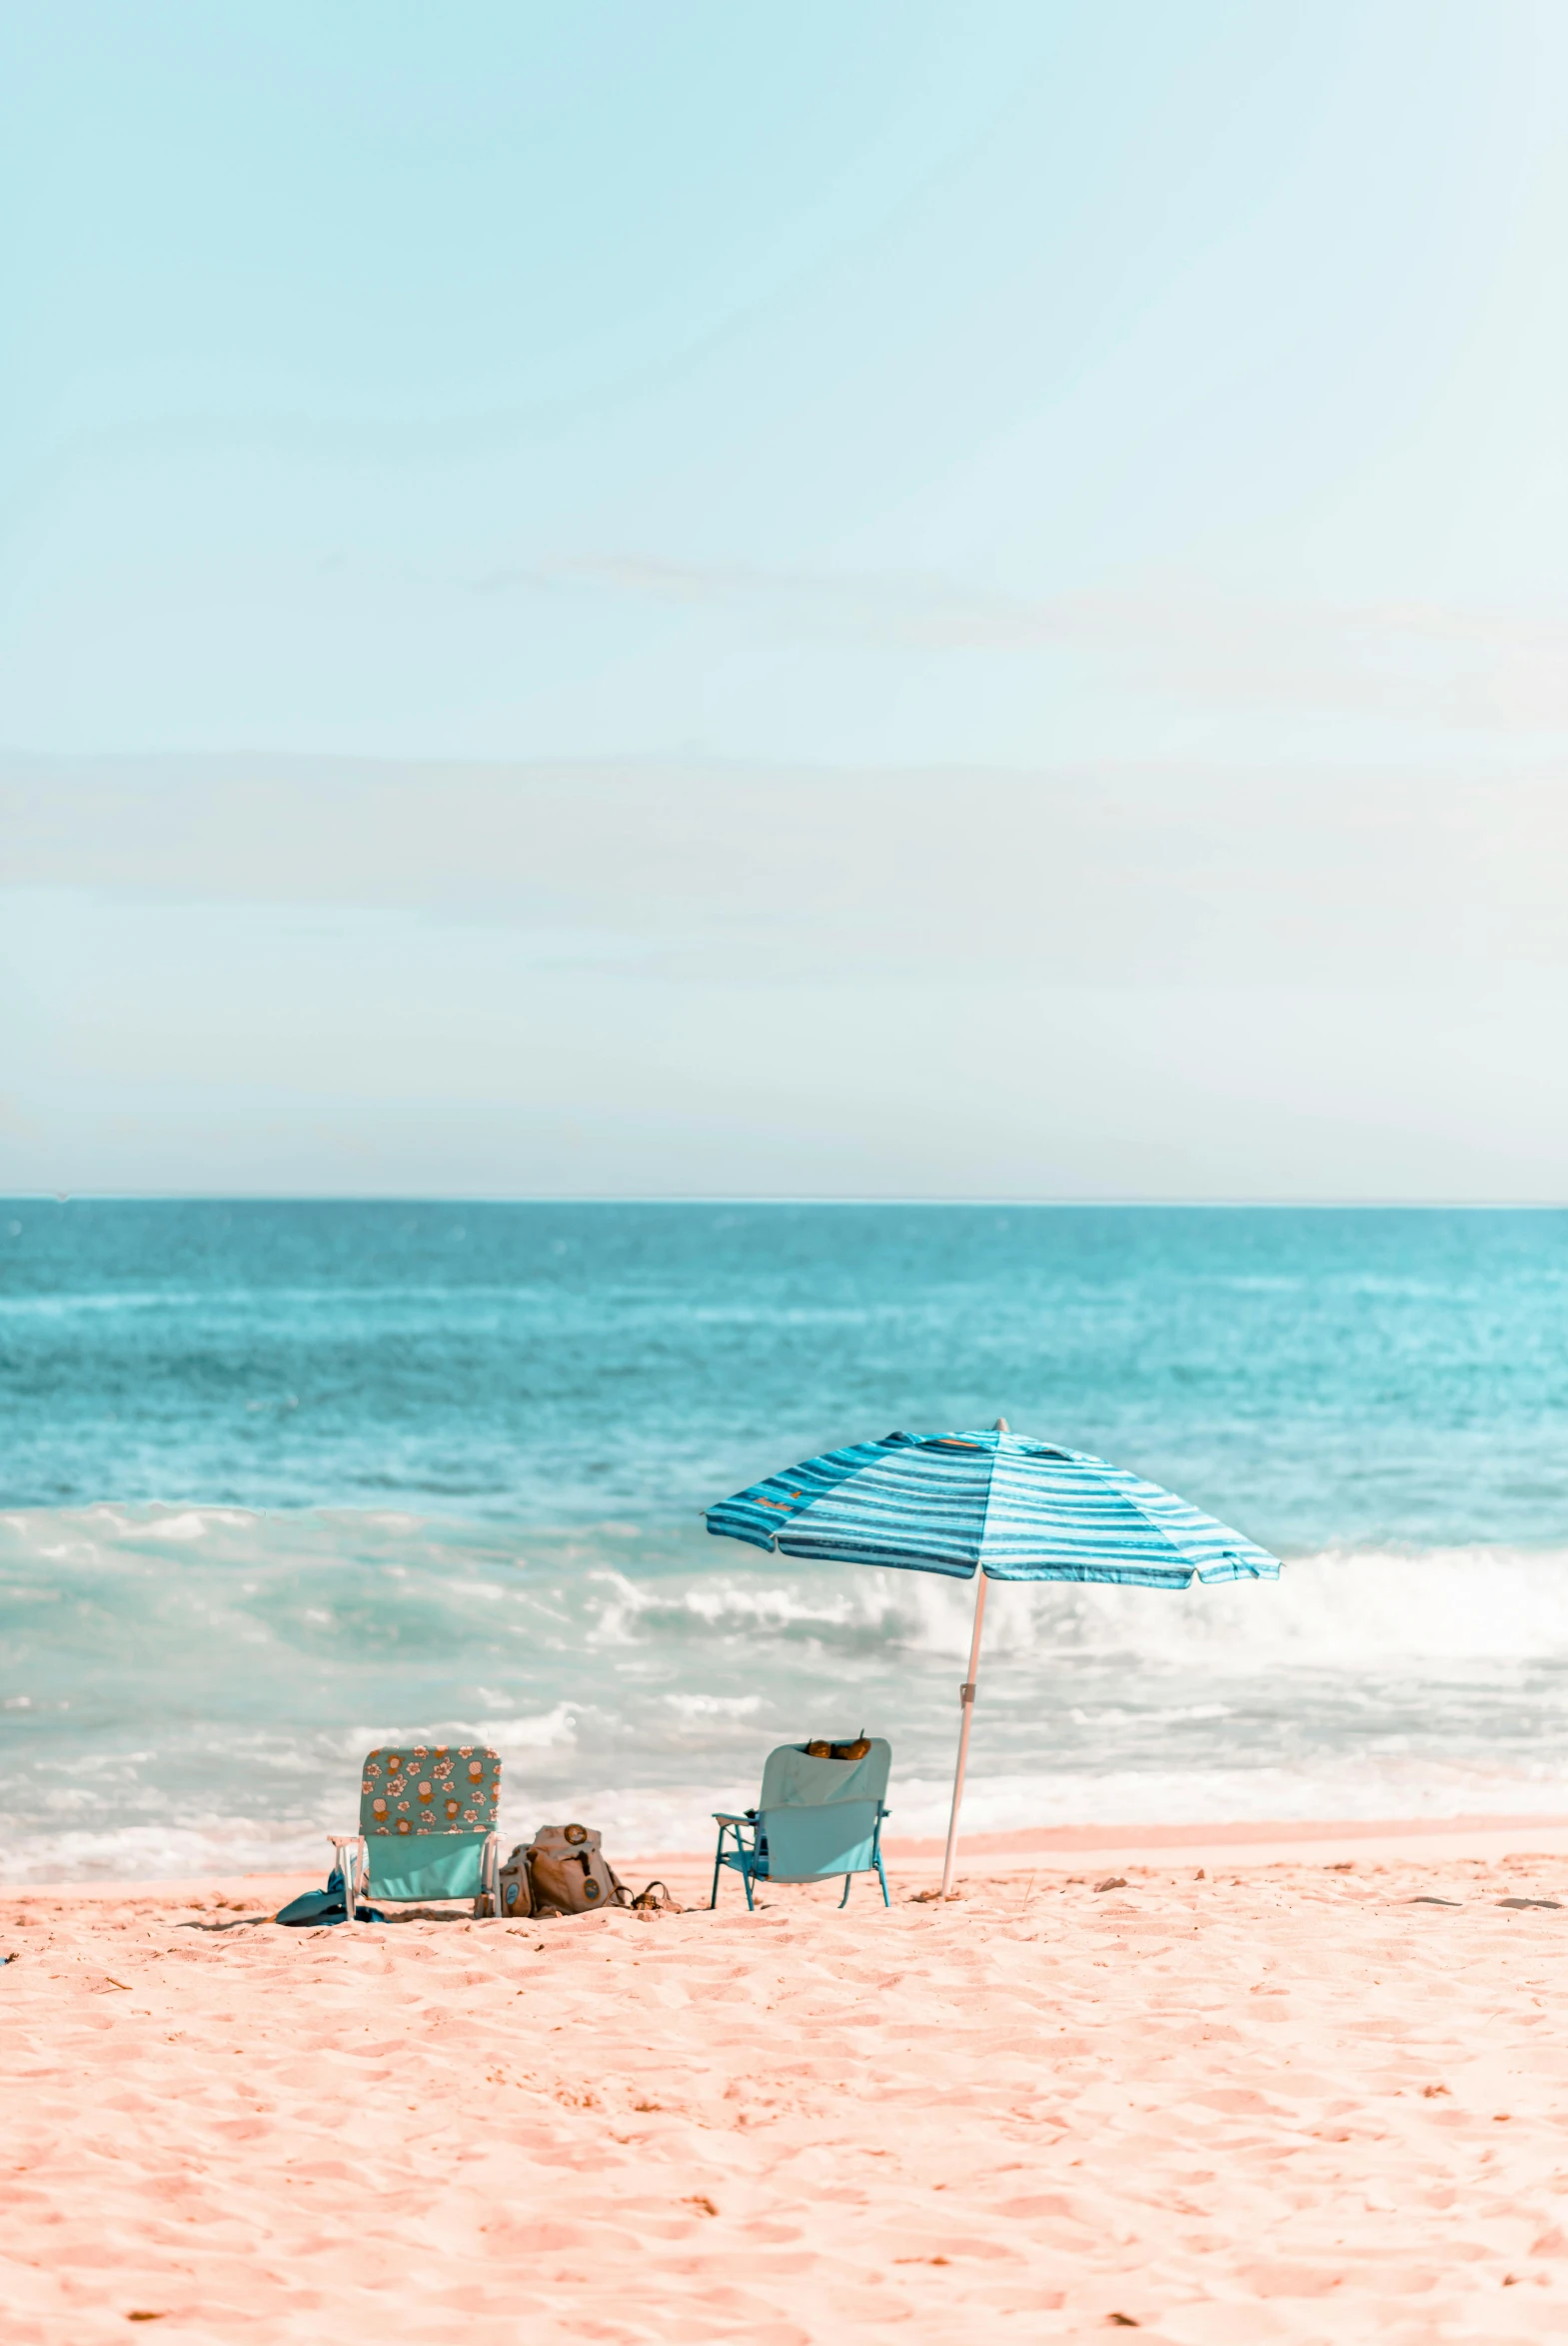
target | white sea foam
[{"x": 185, "y": 1687}]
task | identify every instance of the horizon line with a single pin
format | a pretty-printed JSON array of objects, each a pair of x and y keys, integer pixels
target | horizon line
[{"x": 1033, "y": 1204}]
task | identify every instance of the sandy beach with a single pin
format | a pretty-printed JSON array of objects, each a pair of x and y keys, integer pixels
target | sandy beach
[{"x": 1248, "y": 2091}]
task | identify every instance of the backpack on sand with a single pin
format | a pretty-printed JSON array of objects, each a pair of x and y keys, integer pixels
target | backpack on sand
[{"x": 568, "y": 1872}]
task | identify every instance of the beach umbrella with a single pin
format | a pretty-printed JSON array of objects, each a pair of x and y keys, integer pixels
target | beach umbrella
[{"x": 986, "y": 1506}]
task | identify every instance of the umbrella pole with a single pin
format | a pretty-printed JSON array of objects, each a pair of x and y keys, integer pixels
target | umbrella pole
[{"x": 967, "y": 1703}]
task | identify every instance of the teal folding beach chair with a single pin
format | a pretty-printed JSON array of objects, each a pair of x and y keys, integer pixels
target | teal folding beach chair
[
  {"x": 426, "y": 1827},
  {"x": 813, "y": 1818}
]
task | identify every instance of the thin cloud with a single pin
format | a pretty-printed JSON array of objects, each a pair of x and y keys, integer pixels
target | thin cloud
[
  {"x": 1479, "y": 668},
  {"x": 918, "y": 612}
]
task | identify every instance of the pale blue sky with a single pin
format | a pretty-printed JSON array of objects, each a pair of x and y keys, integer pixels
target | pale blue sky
[{"x": 697, "y": 463}]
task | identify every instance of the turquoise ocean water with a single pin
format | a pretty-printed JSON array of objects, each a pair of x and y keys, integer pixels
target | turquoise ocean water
[{"x": 278, "y": 1480}]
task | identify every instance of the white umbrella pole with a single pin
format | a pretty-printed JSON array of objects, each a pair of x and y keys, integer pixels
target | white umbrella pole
[{"x": 967, "y": 1703}]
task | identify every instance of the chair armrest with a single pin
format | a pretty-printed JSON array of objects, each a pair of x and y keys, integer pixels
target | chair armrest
[{"x": 722, "y": 1816}]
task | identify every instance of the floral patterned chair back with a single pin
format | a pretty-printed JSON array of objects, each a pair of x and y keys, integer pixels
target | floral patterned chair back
[{"x": 412, "y": 1791}]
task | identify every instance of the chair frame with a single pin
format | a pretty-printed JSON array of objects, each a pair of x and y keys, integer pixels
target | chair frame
[
  {"x": 353, "y": 1860},
  {"x": 748, "y": 1858}
]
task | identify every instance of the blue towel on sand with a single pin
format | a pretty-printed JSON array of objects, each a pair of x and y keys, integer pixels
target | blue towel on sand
[{"x": 326, "y": 1905}]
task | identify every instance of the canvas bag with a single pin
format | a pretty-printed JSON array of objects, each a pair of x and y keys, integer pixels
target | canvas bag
[{"x": 570, "y": 1872}]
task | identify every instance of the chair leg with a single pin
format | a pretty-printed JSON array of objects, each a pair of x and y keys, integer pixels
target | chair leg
[
  {"x": 714, "y": 1897},
  {"x": 845, "y": 1900},
  {"x": 882, "y": 1879},
  {"x": 348, "y": 1867},
  {"x": 746, "y": 1878}
]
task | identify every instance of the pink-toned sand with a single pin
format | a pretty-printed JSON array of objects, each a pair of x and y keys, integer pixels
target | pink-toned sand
[{"x": 1281, "y": 2101}]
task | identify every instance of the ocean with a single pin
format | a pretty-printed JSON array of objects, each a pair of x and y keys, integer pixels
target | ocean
[{"x": 281, "y": 1480}]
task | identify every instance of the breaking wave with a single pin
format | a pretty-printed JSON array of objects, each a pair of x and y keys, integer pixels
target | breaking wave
[{"x": 187, "y": 1688}]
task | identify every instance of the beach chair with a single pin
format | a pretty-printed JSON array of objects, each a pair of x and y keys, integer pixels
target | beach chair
[
  {"x": 426, "y": 1827},
  {"x": 813, "y": 1818}
]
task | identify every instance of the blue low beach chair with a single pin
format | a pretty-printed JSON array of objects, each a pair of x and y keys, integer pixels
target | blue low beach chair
[
  {"x": 426, "y": 1827},
  {"x": 813, "y": 1818}
]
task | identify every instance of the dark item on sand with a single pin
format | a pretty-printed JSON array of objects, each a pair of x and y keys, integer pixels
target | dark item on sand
[{"x": 328, "y": 1905}]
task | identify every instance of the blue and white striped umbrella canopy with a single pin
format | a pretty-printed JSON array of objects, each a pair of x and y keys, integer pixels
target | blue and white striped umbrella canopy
[{"x": 1020, "y": 1509}]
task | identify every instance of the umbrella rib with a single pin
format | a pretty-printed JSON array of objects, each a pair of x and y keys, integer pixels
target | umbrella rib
[{"x": 990, "y": 1494}]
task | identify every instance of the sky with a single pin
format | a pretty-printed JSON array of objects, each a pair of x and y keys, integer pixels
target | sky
[{"x": 904, "y": 600}]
